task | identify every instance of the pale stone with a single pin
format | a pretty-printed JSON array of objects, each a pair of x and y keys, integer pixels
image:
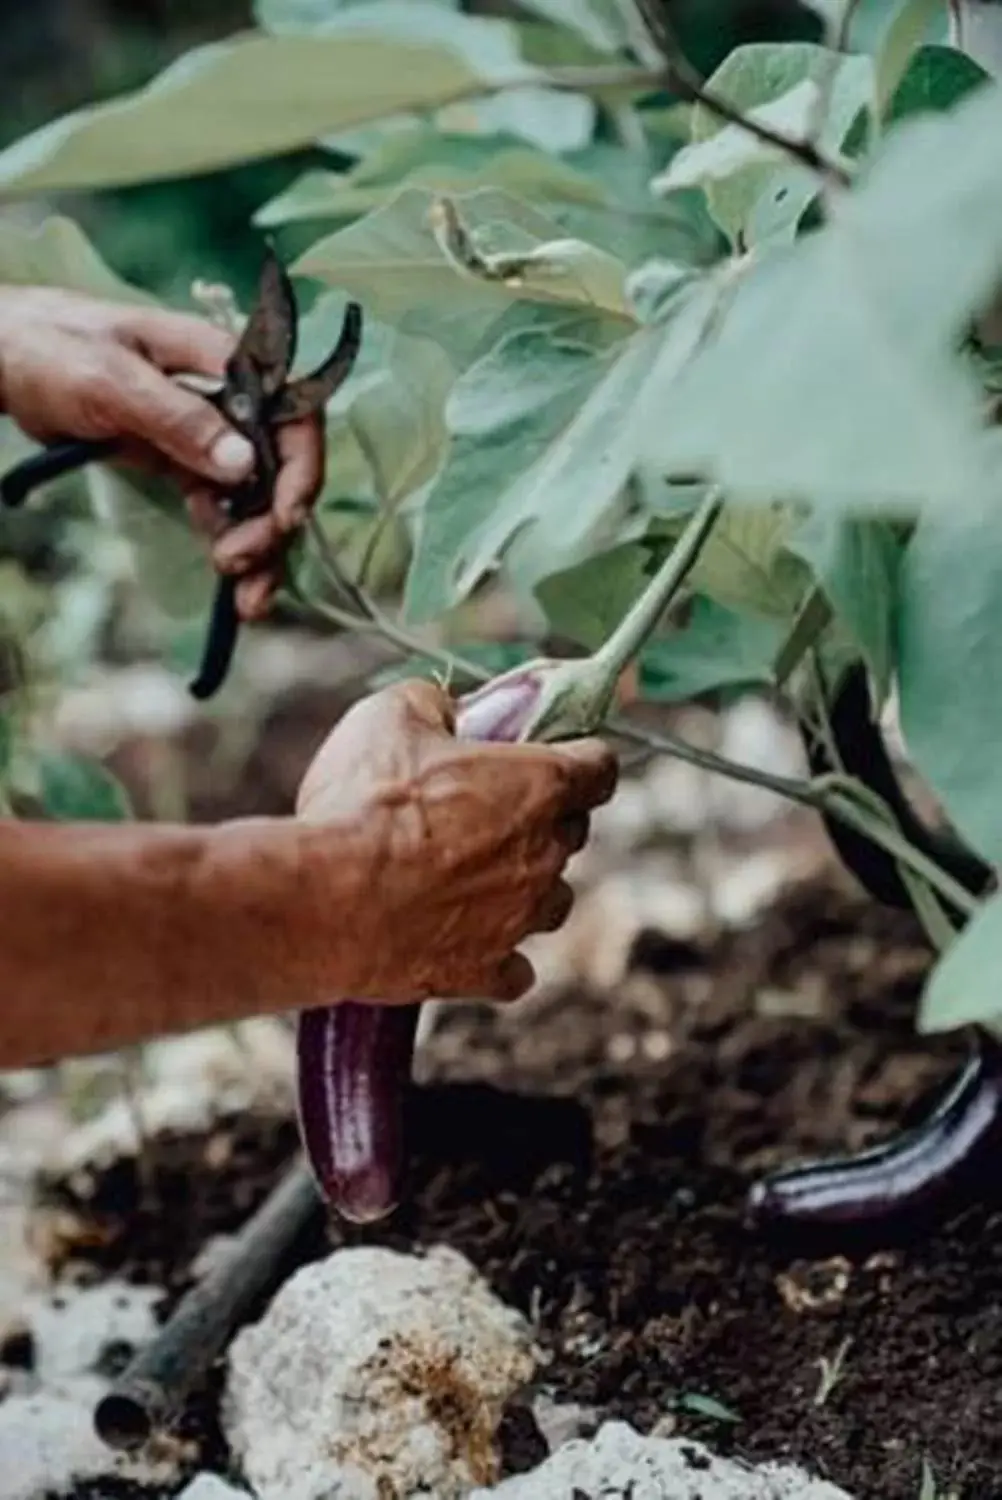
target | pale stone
[
  {"x": 619, "y": 1461},
  {"x": 372, "y": 1374},
  {"x": 211, "y": 1487}
]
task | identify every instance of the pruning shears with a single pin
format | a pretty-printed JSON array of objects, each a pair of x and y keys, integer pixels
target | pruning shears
[{"x": 256, "y": 397}]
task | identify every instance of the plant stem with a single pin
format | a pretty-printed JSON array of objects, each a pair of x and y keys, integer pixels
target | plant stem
[
  {"x": 840, "y": 40},
  {"x": 888, "y": 837},
  {"x": 396, "y": 635},
  {"x": 788, "y": 787},
  {"x": 681, "y": 78},
  {"x": 824, "y": 795},
  {"x": 631, "y": 634}
]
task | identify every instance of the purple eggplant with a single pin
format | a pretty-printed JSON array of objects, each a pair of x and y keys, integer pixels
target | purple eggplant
[
  {"x": 902, "y": 1185},
  {"x": 354, "y": 1058}
]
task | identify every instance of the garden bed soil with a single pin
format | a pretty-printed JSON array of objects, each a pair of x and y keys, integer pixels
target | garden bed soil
[{"x": 591, "y": 1156}]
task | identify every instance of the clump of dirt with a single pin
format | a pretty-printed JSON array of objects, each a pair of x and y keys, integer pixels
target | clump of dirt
[{"x": 591, "y": 1154}]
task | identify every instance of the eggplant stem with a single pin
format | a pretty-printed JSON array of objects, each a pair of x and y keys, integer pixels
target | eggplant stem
[{"x": 642, "y": 618}]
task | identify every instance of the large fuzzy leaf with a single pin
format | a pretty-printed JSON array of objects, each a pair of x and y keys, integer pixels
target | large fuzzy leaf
[
  {"x": 834, "y": 373},
  {"x": 257, "y": 95}
]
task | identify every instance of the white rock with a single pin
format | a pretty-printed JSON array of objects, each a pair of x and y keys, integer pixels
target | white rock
[
  {"x": 72, "y": 1325},
  {"x": 211, "y": 1487},
  {"x": 619, "y": 1461},
  {"x": 48, "y": 1443},
  {"x": 375, "y": 1374},
  {"x": 561, "y": 1421}
]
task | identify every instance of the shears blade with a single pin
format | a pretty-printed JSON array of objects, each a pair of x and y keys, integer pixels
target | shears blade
[
  {"x": 261, "y": 362},
  {"x": 310, "y": 394}
]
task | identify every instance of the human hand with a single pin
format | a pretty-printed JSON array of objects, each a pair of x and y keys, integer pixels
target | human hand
[
  {"x": 75, "y": 367},
  {"x": 460, "y": 846}
]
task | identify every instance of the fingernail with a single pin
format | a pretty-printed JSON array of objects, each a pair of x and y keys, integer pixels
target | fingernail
[{"x": 232, "y": 456}]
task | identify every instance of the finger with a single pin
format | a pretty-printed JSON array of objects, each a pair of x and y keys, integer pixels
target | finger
[
  {"x": 130, "y": 398},
  {"x": 572, "y": 832},
  {"x": 177, "y": 341},
  {"x": 247, "y": 545},
  {"x": 555, "y": 909},
  {"x": 300, "y": 478},
  {"x": 256, "y": 594},
  {"x": 590, "y": 773},
  {"x": 205, "y": 512},
  {"x": 424, "y": 703},
  {"x": 132, "y": 454},
  {"x": 512, "y": 980}
]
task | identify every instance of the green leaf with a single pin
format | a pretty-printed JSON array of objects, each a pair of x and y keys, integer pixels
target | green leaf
[
  {"x": 291, "y": 16},
  {"x": 746, "y": 566},
  {"x": 720, "y": 156},
  {"x": 600, "y": 22},
  {"x": 632, "y": 223},
  {"x": 950, "y": 664},
  {"x": 718, "y": 648},
  {"x": 778, "y": 84},
  {"x": 393, "y": 263},
  {"x": 75, "y": 789},
  {"x": 927, "y": 1489},
  {"x": 856, "y": 563},
  {"x": 470, "y": 163},
  {"x": 257, "y": 95},
  {"x": 870, "y": 21},
  {"x": 58, "y": 253},
  {"x": 833, "y": 373},
  {"x": 543, "y": 443},
  {"x": 936, "y": 79},
  {"x": 398, "y": 419},
  {"x": 963, "y": 988},
  {"x": 551, "y": 119},
  {"x": 778, "y": 213},
  {"x": 907, "y": 28},
  {"x": 706, "y": 1406},
  {"x": 585, "y": 603}
]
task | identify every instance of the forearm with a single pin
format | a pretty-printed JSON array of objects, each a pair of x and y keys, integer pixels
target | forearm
[{"x": 112, "y": 935}]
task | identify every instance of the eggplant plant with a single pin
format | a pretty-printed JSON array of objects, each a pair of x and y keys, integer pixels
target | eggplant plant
[{"x": 705, "y": 373}]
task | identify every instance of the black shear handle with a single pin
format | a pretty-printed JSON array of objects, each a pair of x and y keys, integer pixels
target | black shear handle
[
  {"x": 224, "y": 624},
  {"x": 51, "y": 463},
  {"x": 220, "y": 642}
]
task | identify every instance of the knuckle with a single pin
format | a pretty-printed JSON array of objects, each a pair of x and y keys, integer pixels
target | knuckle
[
  {"x": 99, "y": 393},
  {"x": 193, "y": 426}
]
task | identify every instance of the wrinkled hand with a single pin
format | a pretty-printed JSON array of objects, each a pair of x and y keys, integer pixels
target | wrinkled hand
[
  {"x": 461, "y": 846},
  {"x": 75, "y": 367}
]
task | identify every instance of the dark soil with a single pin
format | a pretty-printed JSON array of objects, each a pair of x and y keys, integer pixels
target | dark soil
[{"x": 591, "y": 1156}]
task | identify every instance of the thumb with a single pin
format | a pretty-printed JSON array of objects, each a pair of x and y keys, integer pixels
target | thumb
[
  {"x": 426, "y": 703},
  {"x": 184, "y": 427}
]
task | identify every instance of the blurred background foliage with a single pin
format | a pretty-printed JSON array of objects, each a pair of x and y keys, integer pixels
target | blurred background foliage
[{"x": 67, "y": 53}]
